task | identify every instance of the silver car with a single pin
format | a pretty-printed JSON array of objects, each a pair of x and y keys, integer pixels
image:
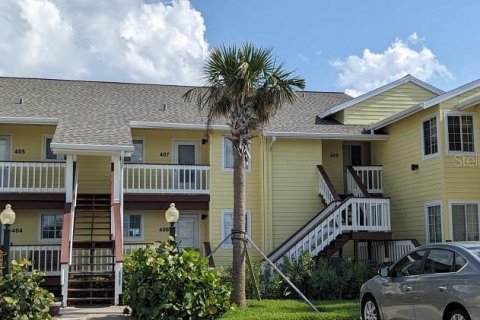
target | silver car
[{"x": 437, "y": 281}]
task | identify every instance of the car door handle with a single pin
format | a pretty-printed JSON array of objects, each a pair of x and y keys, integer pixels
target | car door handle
[
  {"x": 408, "y": 289},
  {"x": 442, "y": 288}
]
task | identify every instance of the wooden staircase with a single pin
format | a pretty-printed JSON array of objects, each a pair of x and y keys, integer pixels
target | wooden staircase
[{"x": 91, "y": 273}]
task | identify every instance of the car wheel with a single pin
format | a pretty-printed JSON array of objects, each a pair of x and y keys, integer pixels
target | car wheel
[
  {"x": 370, "y": 309},
  {"x": 459, "y": 314}
]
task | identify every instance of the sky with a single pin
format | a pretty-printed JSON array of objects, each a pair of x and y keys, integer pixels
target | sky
[{"x": 335, "y": 45}]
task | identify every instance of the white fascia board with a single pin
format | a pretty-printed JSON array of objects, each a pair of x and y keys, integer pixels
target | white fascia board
[
  {"x": 451, "y": 94},
  {"x": 432, "y": 102},
  {"x": 173, "y": 125},
  {"x": 29, "y": 120},
  {"x": 89, "y": 148},
  {"x": 467, "y": 103},
  {"x": 336, "y": 136},
  {"x": 378, "y": 91}
]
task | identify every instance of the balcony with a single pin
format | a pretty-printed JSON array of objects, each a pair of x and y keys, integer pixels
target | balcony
[
  {"x": 32, "y": 176},
  {"x": 45, "y": 258},
  {"x": 370, "y": 176},
  {"x": 167, "y": 179}
]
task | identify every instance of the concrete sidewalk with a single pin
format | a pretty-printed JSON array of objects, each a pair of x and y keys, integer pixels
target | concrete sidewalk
[{"x": 93, "y": 312}]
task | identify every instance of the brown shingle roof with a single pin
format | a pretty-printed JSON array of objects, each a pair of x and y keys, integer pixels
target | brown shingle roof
[{"x": 98, "y": 113}]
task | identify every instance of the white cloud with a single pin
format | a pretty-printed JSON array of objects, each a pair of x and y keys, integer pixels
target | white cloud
[
  {"x": 358, "y": 75},
  {"x": 303, "y": 57},
  {"x": 119, "y": 40}
]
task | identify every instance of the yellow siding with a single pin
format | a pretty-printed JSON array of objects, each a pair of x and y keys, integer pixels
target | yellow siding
[
  {"x": 386, "y": 104},
  {"x": 294, "y": 185},
  {"x": 409, "y": 190},
  {"x": 29, "y": 223},
  {"x": 221, "y": 195},
  {"x": 27, "y": 137},
  {"x": 332, "y": 159},
  {"x": 94, "y": 174},
  {"x": 158, "y": 142}
]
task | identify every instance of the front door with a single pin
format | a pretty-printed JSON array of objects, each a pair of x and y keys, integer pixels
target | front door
[
  {"x": 354, "y": 154},
  {"x": 186, "y": 154},
  {"x": 4, "y": 156},
  {"x": 188, "y": 231}
]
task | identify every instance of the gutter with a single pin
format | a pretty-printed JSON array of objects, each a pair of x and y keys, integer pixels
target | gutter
[
  {"x": 174, "y": 125},
  {"x": 314, "y": 135},
  {"x": 29, "y": 120},
  {"x": 94, "y": 148}
]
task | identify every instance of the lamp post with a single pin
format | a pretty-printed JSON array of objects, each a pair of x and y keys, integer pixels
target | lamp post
[
  {"x": 171, "y": 215},
  {"x": 7, "y": 218}
]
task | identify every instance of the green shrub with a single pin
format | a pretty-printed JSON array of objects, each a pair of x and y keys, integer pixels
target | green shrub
[
  {"x": 164, "y": 282},
  {"x": 326, "y": 282},
  {"x": 21, "y": 298}
]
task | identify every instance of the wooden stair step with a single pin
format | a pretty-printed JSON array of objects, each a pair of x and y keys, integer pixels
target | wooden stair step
[
  {"x": 93, "y": 264},
  {"x": 94, "y": 228},
  {"x": 91, "y": 273},
  {"x": 91, "y": 289},
  {"x": 75, "y": 281},
  {"x": 90, "y": 299}
]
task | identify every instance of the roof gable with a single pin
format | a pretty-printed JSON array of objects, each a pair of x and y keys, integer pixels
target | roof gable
[{"x": 381, "y": 90}]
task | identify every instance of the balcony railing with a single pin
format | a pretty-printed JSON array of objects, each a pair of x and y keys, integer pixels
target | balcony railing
[
  {"x": 32, "y": 176},
  {"x": 45, "y": 258},
  {"x": 372, "y": 177},
  {"x": 161, "y": 178}
]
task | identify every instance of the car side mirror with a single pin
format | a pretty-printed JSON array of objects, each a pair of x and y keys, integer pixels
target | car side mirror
[{"x": 384, "y": 272}]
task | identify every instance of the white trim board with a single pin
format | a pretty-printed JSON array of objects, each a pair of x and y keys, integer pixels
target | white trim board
[
  {"x": 29, "y": 120},
  {"x": 175, "y": 125},
  {"x": 373, "y": 93},
  {"x": 429, "y": 103},
  {"x": 333, "y": 136}
]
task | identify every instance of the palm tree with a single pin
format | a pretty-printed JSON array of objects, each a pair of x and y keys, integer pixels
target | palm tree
[{"x": 244, "y": 86}]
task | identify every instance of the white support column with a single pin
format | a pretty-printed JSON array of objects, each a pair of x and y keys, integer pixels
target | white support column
[
  {"x": 117, "y": 179},
  {"x": 118, "y": 281},
  {"x": 69, "y": 179},
  {"x": 64, "y": 283}
]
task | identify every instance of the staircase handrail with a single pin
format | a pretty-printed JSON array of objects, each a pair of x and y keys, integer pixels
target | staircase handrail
[
  {"x": 72, "y": 212},
  {"x": 355, "y": 184},
  {"x": 352, "y": 214},
  {"x": 326, "y": 188},
  {"x": 286, "y": 245}
]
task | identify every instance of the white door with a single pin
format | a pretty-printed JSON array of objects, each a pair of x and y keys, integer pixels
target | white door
[
  {"x": 188, "y": 231},
  {"x": 4, "y": 156}
]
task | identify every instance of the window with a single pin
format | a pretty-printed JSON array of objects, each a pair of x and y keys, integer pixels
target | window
[
  {"x": 51, "y": 226},
  {"x": 137, "y": 154},
  {"x": 228, "y": 155},
  {"x": 49, "y": 155},
  {"x": 430, "y": 140},
  {"x": 410, "y": 265},
  {"x": 439, "y": 261},
  {"x": 460, "y": 133},
  {"x": 132, "y": 226},
  {"x": 434, "y": 223},
  {"x": 460, "y": 261},
  {"x": 227, "y": 226},
  {"x": 465, "y": 222}
]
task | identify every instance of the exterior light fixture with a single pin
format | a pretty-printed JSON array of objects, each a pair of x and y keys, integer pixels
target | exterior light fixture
[
  {"x": 7, "y": 218},
  {"x": 172, "y": 215}
]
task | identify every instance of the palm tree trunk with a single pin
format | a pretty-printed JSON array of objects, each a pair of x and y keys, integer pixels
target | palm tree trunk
[{"x": 238, "y": 266}]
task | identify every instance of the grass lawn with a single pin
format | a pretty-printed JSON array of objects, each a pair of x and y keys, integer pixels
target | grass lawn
[{"x": 297, "y": 309}]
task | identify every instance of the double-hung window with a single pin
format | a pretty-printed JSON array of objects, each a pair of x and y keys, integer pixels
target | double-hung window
[
  {"x": 460, "y": 133},
  {"x": 430, "y": 137},
  {"x": 434, "y": 222},
  {"x": 137, "y": 154},
  {"x": 51, "y": 226},
  {"x": 227, "y": 226},
  {"x": 228, "y": 155},
  {"x": 132, "y": 226},
  {"x": 465, "y": 222}
]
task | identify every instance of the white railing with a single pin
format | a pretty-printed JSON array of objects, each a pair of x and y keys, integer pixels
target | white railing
[
  {"x": 129, "y": 247},
  {"x": 26, "y": 176},
  {"x": 352, "y": 186},
  {"x": 45, "y": 258},
  {"x": 396, "y": 249},
  {"x": 98, "y": 260},
  {"x": 325, "y": 188},
  {"x": 353, "y": 214},
  {"x": 72, "y": 213},
  {"x": 372, "y": 177},
  {"x": 161, "y": 178}
]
